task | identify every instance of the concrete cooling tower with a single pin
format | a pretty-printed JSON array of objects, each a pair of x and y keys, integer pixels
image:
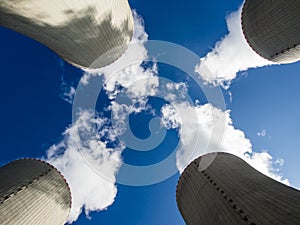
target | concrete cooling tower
[
  {"x": 33, "y": 192},
  {"x": 79, "y": 31},
  {"x": 272, "y": 28},
  {"x": 222, "y": 189}
]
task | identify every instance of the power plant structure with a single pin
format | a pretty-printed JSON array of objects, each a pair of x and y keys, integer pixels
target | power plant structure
[
  {"x": 86, "y": 33},
  {"x": 33, "y": 192},
  {"x": 272, "y": 28},
  {"x": 220, "y": 188}
]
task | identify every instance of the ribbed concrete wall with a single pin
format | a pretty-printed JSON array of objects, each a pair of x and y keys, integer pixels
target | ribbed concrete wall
[
  {"x": 33, "y": 192},
  {"x": 272, "y": 28},
  {"x": 80, "y": 31},
  {"x": 231, "y": 192}
]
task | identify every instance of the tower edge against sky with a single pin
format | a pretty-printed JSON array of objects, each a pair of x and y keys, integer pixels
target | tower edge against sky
[
  {"x": 272, "y": 29},
  {"x": 230, "y": 191},
  {"x": 87, "y": 34},
  {"x": 33, "y": 192}
]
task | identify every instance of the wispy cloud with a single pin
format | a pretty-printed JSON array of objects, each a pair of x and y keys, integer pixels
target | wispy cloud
[
  {"x": 230, "y": 55},
  {"x": 262, "y": 133},
  {"x": 68, "y": 93}
]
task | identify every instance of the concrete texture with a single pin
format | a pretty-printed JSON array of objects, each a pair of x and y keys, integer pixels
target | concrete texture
[
  {"x": 272, "y": 28},
  {"x": 33, "y": 192},
  {"x": 220, "y": 188},
  {"x": 86, "y": 33}
]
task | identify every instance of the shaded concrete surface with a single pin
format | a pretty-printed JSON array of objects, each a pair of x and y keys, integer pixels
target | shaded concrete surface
[
  {"x": 33, "y": 192},
  {"x": 230, "y": 191},
  {"x": 272, "y": 28}
]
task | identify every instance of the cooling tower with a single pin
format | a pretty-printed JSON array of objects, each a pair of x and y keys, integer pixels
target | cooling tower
[
  {"x": 272, "y": 28},
  {"x": 33, "y": 192},
  {"x": 80, "y": 31},
  {"x": 222, "y": 189}
]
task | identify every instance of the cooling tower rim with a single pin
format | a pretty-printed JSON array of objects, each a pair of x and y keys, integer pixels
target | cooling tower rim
[
  {"x": 88, "y": 68},
  {"x": 273, "y": 58},
  {"x": 242, "y": 24},
  {"x": 195, "y": 161},
  {"x": 53, "y": 167},
  {"x": 247, "y": 40},
  {"x": 180, "y": 182},
  {"x": 83, "y": 63}
]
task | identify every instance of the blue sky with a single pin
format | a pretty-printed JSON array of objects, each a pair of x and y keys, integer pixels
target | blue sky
[{"x": 34, "y": 115}]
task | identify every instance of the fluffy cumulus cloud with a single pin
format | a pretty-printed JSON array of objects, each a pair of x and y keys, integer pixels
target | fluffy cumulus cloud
[
  {"x": 87, "y": 163},
  {"x": 89, "y": 160},
  {"x": 265, "y": 163},
  {"x": 83, "y": 155},
  {"x": 230, "y": 55},
  {"x": 212, "y": 130},
  {"x": 127, "y": 70}
]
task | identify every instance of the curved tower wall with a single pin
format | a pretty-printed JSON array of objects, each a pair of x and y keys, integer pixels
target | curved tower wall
[
  {"x": 80, "y": 31},
  {"x": 220, "y": 188},
  {"x": 272, "y": 28},
  {"x": 33, "y": 192}
]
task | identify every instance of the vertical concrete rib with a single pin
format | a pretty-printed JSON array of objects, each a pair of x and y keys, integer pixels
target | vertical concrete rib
[
  {"x": 80, "y": 31},
  {"x": 33, "y": 192},
  {"x": 272, "y": 28},
  {"x": 229, "y": 191}
]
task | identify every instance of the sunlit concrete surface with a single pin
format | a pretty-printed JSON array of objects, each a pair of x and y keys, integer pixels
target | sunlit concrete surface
[
  {"x": 33, "y": 192},
  {"x": 80, "y": 31}
]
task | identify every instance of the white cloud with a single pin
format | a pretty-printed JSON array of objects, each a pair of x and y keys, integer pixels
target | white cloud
[
  {"x": 171, "y": 119},
  {"x": 175, "y": 91},
  {"x": 213, "y": 131},
  {"x": 230, "y": 55},
  {"x": 200, "y": 127},
  {"x": 263, "y": 162},
  {"x": 126, "y": 71},
  {"x": 68, "y": 93},
  {"x": 262, "y": 133},
  {"x": 80, "y": 156}
]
